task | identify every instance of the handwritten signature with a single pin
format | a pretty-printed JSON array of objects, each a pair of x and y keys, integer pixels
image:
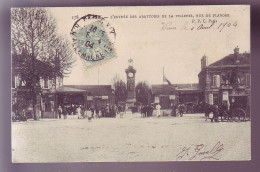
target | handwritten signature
[{"x": 200, "y": 152}]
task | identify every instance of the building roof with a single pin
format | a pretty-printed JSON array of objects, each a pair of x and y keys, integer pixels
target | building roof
[
  {"x": 229, "y": 60},
  {"x": 64, "y": 89},
  {"x": 162, "y": 89},
  {"x": 21, "y": 63},
  {"x": 167, "y": 89},
  {"x": 104, "y": 90},
  {"x": 187, "y": 87}
]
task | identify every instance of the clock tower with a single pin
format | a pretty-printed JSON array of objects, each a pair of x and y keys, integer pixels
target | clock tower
[{"x": 130, "y": 75}]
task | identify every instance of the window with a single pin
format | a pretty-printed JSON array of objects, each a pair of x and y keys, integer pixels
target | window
[
  {"x": 17, "y": 80},
  {"x": 13, "y": 81},
  {"x": 248, "y": 80},
  {"x": 46, "y": 85},
  {"x": 41, "y": 82},
  {"x": 216, "y": 80}
]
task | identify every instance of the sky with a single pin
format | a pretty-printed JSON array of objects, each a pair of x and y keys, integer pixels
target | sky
[{"x": 152, "y": 47}]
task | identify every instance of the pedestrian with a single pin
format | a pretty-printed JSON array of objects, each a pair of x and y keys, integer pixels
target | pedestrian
[
  {"x": 215, "y": 113},
  {"x": 142, "y": 111},
  {"x": 103, "y": 110},
  {"x": 158, "y": 110},
  {"x": 92, "y": 109},
  {"x": 173, "y": 110},
  {"x": 23, "y": 116},
  {"x": 121, "y": 111},
  {"x": 150, "y": 110},
  {"x": 107, "y": 111},
  {"x": 110, "y": 111},
  {"x": 181, "y": 110},
  {"x": 146, "y": 110},
  {"x": 113, "y": 111},
  {"x": 82, "y": 111},
  {"x": 78, "y": 110},
  {"x": 59, "y": 112},
  {"x": 207, "y": 109},
  {"x": 116, "y": 110},
  {"x": 89, "y": 114},
  {"x": 97, "y": 112},
  {"x": 64, "y": 112}
]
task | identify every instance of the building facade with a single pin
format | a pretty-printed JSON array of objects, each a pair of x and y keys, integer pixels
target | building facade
[
  {"x": 86, "y": 95},
  {"x": 44, "y": 87},
  {"x": 172, "y": 95},
  {"x": 227, "y": 80}
]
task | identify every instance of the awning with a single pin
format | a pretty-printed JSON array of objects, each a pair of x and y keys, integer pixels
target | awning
[
  {"x": 64, "y": 89},
  {"x": 238, "y": 95}
]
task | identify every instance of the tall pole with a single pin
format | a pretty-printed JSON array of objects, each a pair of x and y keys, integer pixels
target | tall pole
[
  {"x": 163, "y": 89},
  {"x": 98, "y": 99},
  {"x": 98, "y": 75}
]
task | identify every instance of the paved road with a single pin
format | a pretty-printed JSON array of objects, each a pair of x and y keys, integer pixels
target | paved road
[{"x": 130, "y": 139}]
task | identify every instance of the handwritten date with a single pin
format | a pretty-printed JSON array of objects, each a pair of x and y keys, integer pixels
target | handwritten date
[{"x": 210, "y": 26}]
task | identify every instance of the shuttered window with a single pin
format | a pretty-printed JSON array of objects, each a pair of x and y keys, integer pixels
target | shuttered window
[
  {"x": 17, "y": 80},
  {"x": 46, "y": 83},
  {"x": 248, "y": 80},
  {"x": 216, "y": 80}
]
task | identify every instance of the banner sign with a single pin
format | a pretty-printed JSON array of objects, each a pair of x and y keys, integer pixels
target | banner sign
[
  {"x": 104, "y": 97},
  {"x": 172, "y": 97},
  {"x": 89, "y": 97},
  {"x": 156, "y": 100}
]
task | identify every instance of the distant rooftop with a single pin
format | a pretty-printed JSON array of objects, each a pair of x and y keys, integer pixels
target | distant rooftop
[
  {"x": 167, "y": 89},
  {"x": 243, "y": 59},
  {"x": 93, "y": 89}
]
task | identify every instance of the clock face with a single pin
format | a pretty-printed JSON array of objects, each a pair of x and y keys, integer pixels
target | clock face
[{"x": 130, "y": 75}]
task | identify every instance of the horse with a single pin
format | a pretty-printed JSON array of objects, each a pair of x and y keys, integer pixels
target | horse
[{"x": 211, "y": 109}]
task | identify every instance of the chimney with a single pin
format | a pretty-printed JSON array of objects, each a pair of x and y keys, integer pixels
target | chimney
[
  {"x": 204, "y": 62},
  {"x": 236, "y": 54}
]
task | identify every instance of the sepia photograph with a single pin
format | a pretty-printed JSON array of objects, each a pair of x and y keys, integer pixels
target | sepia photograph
[{"x": 130, "y": 84}]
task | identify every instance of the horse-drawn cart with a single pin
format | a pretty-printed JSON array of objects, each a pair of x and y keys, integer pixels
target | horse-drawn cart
[
  {"x": 236, "y": 114},
  {"x": 222, "y": 113}
]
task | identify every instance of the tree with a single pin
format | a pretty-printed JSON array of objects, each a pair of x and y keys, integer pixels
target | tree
[
  {"x": 63, "y": 57},
  {"x": 120, "y": 89},
  {"x": 37, "y": 48},
  {"x": 142, "y": 92}
]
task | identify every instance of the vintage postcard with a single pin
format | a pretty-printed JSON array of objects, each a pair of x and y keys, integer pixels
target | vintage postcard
[{"x": 130, "y": 84}]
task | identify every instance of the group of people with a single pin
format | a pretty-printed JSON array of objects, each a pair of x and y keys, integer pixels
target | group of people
[
  {"x": 62, "y": 111},
  {"x": 178, "y": 110},
  {"x": 146, "y": 111},
  {"x": 92, "y": 111}
]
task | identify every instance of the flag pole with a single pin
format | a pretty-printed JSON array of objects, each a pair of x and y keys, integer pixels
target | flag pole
[
  {"x": 98, "y": 95},
  {"x": 98, "y": 75},
  {"x": 163, "y": 89}
]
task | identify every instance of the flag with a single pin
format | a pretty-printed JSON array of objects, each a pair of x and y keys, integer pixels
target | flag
[{"x": 166, "y": 80}]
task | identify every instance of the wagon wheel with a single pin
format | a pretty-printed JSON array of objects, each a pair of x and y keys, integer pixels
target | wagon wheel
[
  {"x": 239, "y": 114},
  {"x": 227, "y": 116},
  {"x": 248, "y": 115}
]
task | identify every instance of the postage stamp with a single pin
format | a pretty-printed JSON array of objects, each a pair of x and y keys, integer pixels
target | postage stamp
[{"x": 93, "y": 40}]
